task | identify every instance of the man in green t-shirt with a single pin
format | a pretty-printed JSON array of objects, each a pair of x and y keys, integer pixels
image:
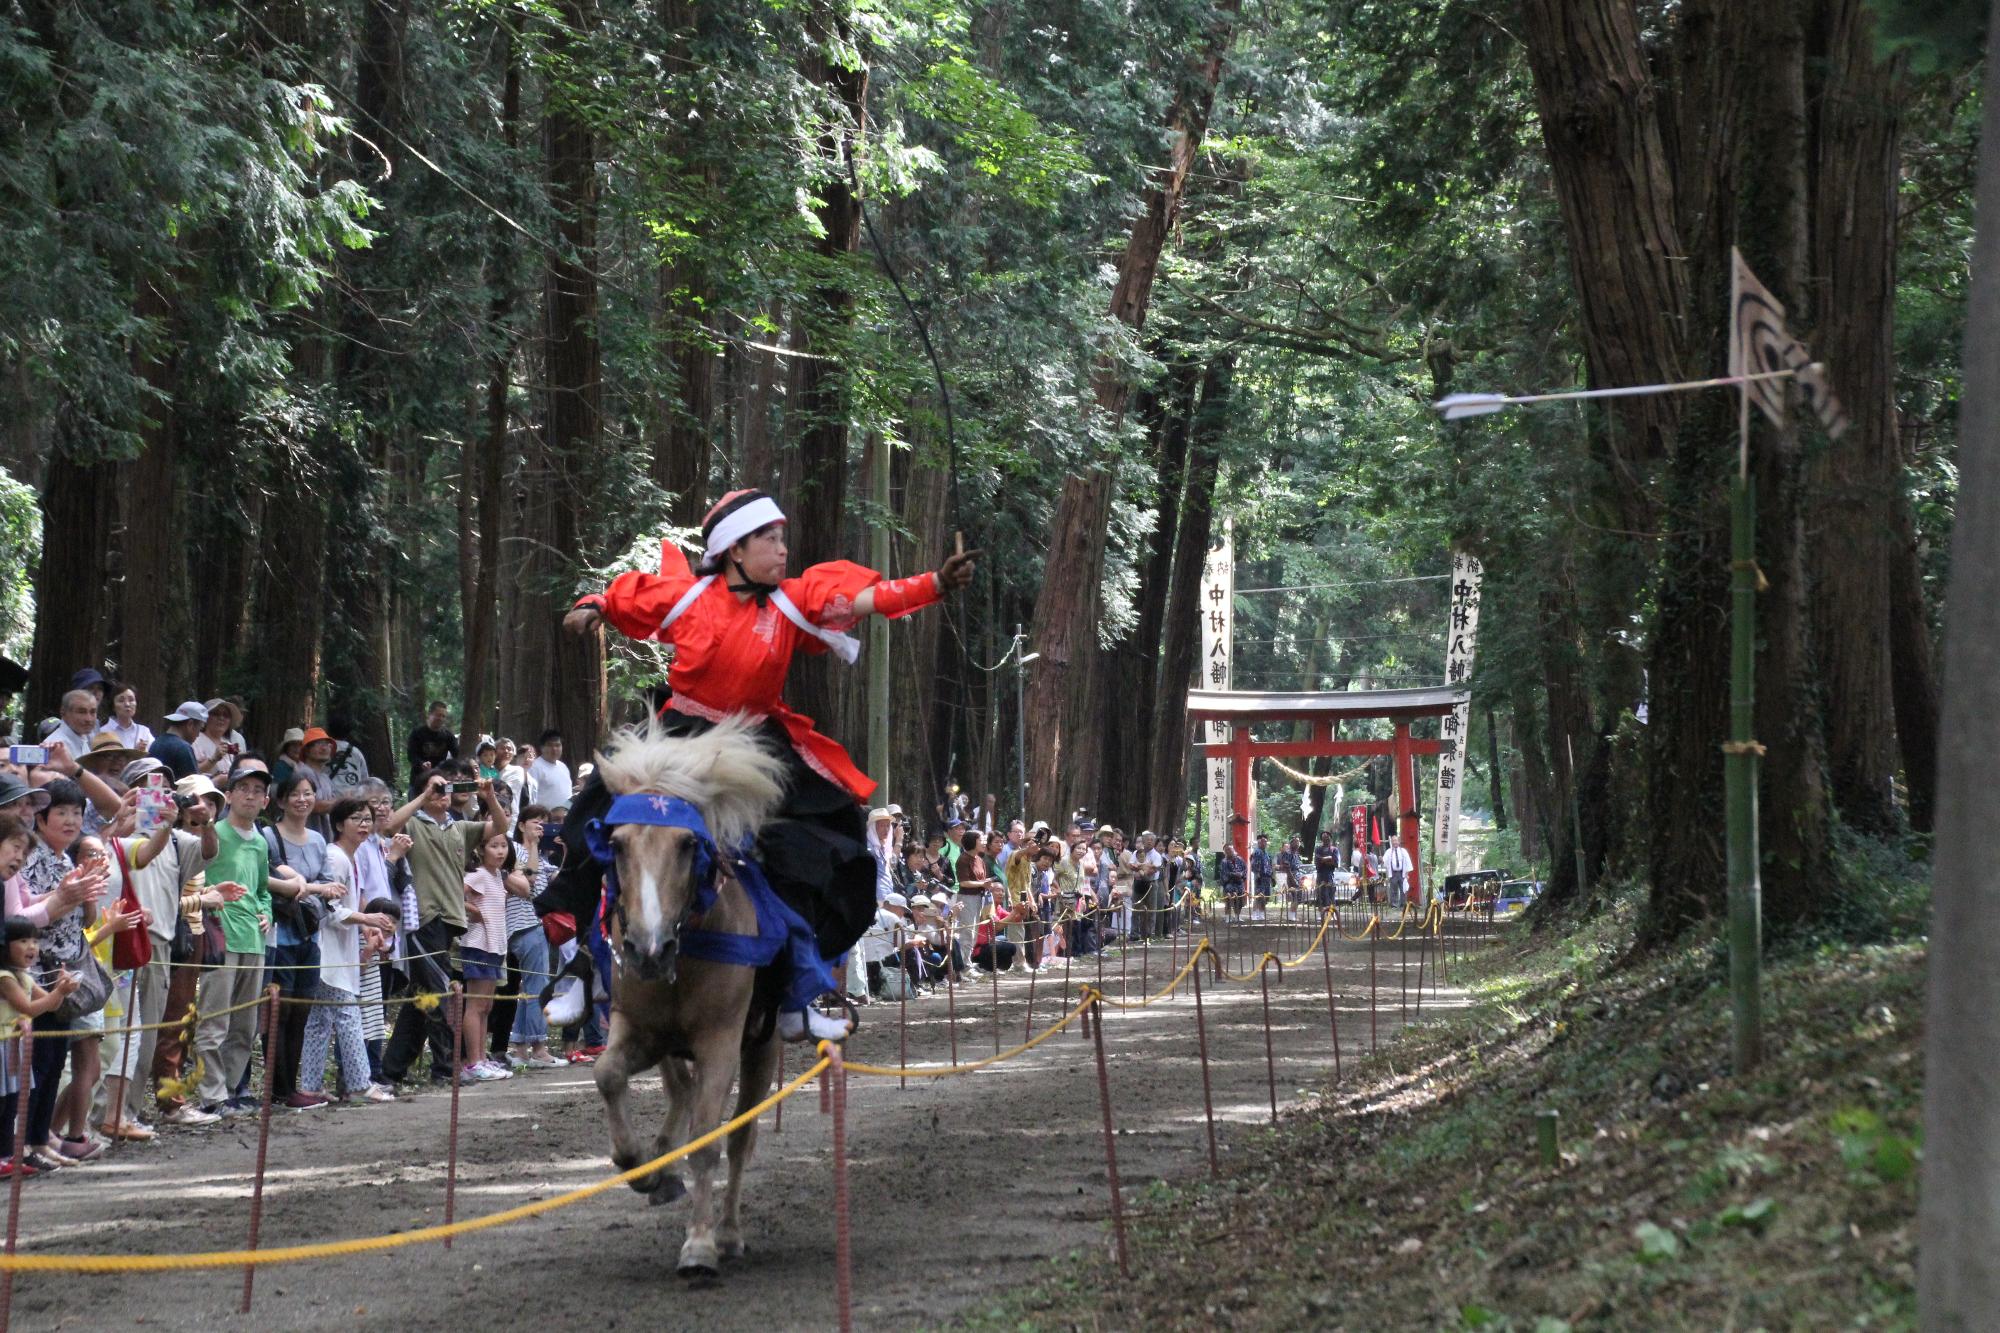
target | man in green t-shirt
[
  {"x": 224, "y": 1041},
  {"x": 441, "y": 851}
]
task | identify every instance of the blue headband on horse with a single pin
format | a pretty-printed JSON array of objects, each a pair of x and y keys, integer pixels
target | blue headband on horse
[
  {"x": 777, "y": 924},
  {"x": 660, "y": 812}
]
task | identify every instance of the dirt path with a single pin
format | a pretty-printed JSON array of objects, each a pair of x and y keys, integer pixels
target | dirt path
[{"x": 960, "y": 1185}]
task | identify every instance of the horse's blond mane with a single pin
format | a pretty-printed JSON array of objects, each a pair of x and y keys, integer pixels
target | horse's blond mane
[{"x": 726, "y": 772}]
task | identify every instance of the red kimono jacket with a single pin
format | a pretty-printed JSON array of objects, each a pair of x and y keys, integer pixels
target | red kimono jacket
[{"x": 731, "y": 656}]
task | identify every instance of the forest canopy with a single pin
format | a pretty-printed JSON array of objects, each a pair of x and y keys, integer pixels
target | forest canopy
[{"x": 347, "y": 342}]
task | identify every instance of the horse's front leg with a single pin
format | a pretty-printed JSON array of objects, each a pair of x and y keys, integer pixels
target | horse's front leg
[
  {"x": 714, "y": 1071},
  {"x": 678, "y": 1078},
  {"x": 626, "y": 1054},
  {"x": 760, "y": 1066}
]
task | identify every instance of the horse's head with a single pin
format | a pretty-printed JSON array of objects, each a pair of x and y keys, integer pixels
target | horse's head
[
  {"x": 688, "y": 802},
  {"x": 661, "y": 856}
]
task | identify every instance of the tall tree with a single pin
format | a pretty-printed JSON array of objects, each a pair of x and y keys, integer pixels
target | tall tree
[
  {"x": 1857, "y": 485},
  {"x": 1958, "y": 1284},
  {"x": 573, "y": 414},
  {"x": 1180, "y": 647},
  {"x": 1067, "y": 611},
  {"x": 483, "y": 475},
  {"x": 816, "y": 473}
]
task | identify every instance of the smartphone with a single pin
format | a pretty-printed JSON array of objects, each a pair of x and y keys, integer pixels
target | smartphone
[
  {"x": 156, "y": 804},
  {"x": 459, "y": 788},
  {"x": 27, "y": 755}
]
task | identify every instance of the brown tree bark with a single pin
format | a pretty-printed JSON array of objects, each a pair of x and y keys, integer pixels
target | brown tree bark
[
  {"x": 1793, "y": 807},
  {"x": 684, "y": 425},
  {"x": 73, "y": 581},
  {"x": 1127, "y": 794},
  {"x": 291, "y": 569},
  {"x": 151, "y": 654},
  {"x": 920, "y": 646},
  {"x": 573, "y": 422},
  {"x": 1067, "y": 611},
  {"x": 1913, "y": 669},
  {"x": 483, "y": 475},
  {"x": 1571, "y": 733},
  {"x": 815, "y": 486},
  {"x": 359, "y": 683},
  {"x": 1613, "y": 180},
  {"x": 1856, "y": 483},
  {"x": 1180, "y": 635}
]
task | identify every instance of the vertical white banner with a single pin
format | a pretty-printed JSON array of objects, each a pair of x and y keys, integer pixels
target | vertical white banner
[
  {"x": 1218, "y": 616},
  {"x": 1453, "y": 727}
]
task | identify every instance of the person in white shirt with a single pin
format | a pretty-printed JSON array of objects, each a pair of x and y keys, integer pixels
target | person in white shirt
[
  {"x": 78, "y": 724},
  {"x": 1401, "y": 870},
  {"x": 514, "y": 774},
  {"x": 882, "y": 842},
  {"x": 553, "y": 787},
  {"x": 124, "y": 724}
]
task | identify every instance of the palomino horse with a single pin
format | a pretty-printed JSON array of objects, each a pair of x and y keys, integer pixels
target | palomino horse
[{"x": 692, "y": 1016}]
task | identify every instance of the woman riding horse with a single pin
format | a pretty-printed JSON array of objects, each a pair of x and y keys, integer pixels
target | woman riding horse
[{"x": 735, "y": 623}]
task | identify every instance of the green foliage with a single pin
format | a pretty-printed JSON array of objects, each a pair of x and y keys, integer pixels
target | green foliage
[
  {"x": 1873, "y": 1153},
  {"x": 20, "y": 545},
  {"x": 1931, "y": 34}
]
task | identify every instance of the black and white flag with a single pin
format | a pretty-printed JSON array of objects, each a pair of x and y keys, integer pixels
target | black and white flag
[{"x": 1761, "y": 345}]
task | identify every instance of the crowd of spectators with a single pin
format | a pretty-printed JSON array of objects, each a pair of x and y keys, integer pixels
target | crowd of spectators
[
  {"x": 157, "y": 871},
  {"x": 154, "y": 872}
]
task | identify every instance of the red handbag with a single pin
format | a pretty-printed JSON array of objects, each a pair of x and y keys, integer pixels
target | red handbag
[{"x": 132, "y": 948}]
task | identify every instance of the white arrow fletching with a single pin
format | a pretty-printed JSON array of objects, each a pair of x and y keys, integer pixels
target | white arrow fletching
[{"x": 1459, "y": 405}]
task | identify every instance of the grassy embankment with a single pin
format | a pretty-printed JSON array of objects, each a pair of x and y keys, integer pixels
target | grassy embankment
[{"x": 1412, "y": 1195}]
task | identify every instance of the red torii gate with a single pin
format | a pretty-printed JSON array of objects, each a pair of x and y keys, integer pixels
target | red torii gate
[{"x": 1326, "y": 711}]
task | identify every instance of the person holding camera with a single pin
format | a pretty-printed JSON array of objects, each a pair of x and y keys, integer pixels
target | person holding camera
[{"x": 438, "y": 852}]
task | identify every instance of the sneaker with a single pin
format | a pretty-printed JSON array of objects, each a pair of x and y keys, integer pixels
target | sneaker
[
  {"x": 240, "y": 1106},
  {"x": 7, "y": 1170},
  {"x": 379, "y": 1093},
  {"x": 190, "y": 1115},
  {"x": 545, "y": 1062},
  {"x": 306, "y": 1101},
  {"x": 132, "y": 1131},
  {"x": 496, "y": 1070},
  {"x": 80, "y": 1150},
  {"x": 43, "y": 1160},
  {"x": 594, "y": 1051},
  {"x": 582, "y": 1058}
]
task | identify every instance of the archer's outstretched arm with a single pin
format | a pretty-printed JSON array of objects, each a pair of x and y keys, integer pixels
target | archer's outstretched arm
[{"x": 899, "y": 597}]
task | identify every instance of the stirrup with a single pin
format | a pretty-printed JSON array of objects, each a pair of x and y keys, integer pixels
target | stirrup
[{"x": 814, "y": 1024}]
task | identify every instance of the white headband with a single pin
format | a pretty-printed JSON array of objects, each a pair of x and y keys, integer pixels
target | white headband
[{"x": 733, "y": 527}]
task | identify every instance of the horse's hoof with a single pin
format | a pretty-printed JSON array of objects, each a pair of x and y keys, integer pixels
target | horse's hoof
[
  {"x": 670, "y": 1190},
  {"x": 731, "y": 1247},
  {"x": 699, "y": 1260}
]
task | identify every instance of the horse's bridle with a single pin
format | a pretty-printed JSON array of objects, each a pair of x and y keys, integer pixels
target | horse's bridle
[{"x": 660, "y": 812}]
